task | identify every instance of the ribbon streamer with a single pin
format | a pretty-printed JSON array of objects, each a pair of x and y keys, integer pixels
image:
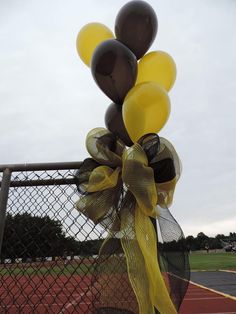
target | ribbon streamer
[{"x": 120, "y": 190}]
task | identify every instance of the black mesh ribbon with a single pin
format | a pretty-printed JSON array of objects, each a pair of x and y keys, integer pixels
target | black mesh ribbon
[{"x": 127, "y": 192}]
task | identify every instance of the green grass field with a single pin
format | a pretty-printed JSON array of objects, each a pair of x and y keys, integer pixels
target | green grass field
[
  {"x": 212, "y": 261},
  {"x": 40, "y": 270},
  {"x": 198, "y": 261},
  {"x": 86, "y": 267}
]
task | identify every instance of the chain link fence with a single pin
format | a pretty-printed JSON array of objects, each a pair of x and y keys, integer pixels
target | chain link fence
[
  {"x": 49, "y": 251},
  {"x": 47, "y": 247}
]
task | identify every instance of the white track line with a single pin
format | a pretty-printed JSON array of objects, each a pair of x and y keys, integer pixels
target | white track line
[
  {"x": 195, "y": 299},
  {"x": 214, "y": 291},
  {"x": 206, "y": 288},
  {"x": 75, "y": 302},
  {"x": 228, "y": 271}
]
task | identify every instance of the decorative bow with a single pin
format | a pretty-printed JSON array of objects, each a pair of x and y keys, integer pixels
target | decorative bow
[{"x": 120, "y": 190}]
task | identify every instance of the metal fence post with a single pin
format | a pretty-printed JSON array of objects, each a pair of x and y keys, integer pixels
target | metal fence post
[{"x": 6, "y": 180}]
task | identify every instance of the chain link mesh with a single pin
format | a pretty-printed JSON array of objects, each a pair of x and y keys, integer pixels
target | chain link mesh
[
  {"x": 49, "y": 259},
  {"x": 48, "y": 247}
]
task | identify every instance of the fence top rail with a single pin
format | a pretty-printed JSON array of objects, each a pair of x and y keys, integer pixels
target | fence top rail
[{"x": 41, "y": 166}]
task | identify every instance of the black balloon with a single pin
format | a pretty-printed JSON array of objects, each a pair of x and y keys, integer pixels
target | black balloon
[
  {"x": 115, "y": 124},
  {"x": 114, "y": 69},
  {"x": 136, "y": 26}
]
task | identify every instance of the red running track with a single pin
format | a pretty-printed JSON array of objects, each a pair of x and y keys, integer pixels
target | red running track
[
  {"x": 36, "y": 294},
  {"x": 31, "y": 294},
  {"x": 201, "y": 301}
]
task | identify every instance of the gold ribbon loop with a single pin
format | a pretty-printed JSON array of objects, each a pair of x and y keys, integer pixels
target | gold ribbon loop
[
  {"x": 104, "y": 148},
  {"x": 102, "y": 178}
]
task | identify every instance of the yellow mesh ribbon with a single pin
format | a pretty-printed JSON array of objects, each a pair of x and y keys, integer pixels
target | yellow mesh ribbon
[
  {"x": 166, "y": 192},
  {"x": 139, "y": 240},
  {"x": 102, "y": 178},
  {"x": 146, "y": 275}
]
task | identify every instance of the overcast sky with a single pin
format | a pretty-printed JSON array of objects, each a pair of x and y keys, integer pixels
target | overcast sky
[{"x": 49, "y": 100}]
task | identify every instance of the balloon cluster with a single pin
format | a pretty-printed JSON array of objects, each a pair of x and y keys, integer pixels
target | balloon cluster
[{"x": 138, "y": 89}]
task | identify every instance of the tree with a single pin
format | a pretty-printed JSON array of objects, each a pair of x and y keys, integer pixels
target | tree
[
  {"x": 202, "y": 240},
  {"x": 27, "y": 236},
  {"x": 214, "y": 243},
  {"x": 232, "y": 236},
  {"x": 220, "y": 236},
  {"x": 191, "y": 243}
]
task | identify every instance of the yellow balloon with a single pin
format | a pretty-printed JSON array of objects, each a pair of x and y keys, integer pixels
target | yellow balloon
[
  {"x": 146, "y": 109},
  {"x": 157, "y": 66},
  {"x": 89, "y": 37}
]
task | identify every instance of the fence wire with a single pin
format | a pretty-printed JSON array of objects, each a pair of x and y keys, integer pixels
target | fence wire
[{"x": 48, "y": 248}]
